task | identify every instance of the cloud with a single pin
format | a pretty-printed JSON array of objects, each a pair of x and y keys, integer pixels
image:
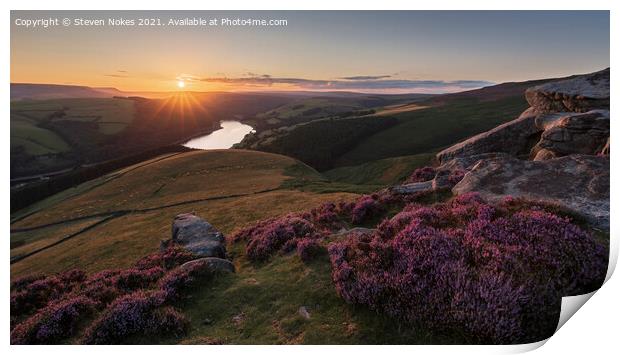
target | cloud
[
  {"x": 366, "y": 83},
  {"x": 123, "y": 74},
  {"x": 366, "y": 77},
  {"x": 117, "y": 75}
]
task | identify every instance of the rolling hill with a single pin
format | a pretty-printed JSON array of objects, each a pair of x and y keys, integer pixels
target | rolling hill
[{"x": 134, "y": 206}]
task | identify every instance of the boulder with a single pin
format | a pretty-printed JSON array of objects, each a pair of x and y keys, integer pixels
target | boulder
[
  {"x": 573, "y": 133},
  {"x": 451, "y": 172},
  {"x": 198, "y": 236},
  {"x": 208, "y": 266},
  {"x": 576, "y": 94},
  {"x": 412, "y": 188},
  {"x": 579, "y": 183},
  {"x": 355, "y": 230}
]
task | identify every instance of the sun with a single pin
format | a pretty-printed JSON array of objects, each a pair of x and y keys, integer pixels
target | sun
[{"x": 181, "y": 84}]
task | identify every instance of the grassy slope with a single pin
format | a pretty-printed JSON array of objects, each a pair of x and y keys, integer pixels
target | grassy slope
[
  {"x": 430, "y": 129},
  {"x": 255, "y": 183},
  {"x": 381, "y": 172},
  {"x": 268, "y": 297}
]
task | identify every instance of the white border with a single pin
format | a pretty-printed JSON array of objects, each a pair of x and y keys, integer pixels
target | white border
[{"x": 593, "y": 329}]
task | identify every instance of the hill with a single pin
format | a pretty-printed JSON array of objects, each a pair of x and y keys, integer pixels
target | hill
[
  {"x": 26, "y": 91},
  {"x": 143, "y": 199},
  {"x": 52, "y": 135},
  {"x": 414, "y": 125}
]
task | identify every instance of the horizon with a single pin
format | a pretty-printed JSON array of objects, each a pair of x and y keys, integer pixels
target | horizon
[
  {"x": 374, "y": 52},
  {"x": 293, "y": 91}
]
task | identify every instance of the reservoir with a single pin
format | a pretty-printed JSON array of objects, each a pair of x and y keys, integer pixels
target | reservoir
[{"x": 232, "y": 132}]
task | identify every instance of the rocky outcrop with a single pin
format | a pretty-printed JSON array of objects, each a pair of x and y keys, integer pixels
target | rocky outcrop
[
  {"x": 579, "y": 183},
  {"x": 446, "y": 176},
  {"x": 197, "y": 236},
  {"x": 577, "y": 94},
  {"x": 556, "y": 152},
  {"x": 574, "y": 133},
  {"x": 566, "y": 117}
]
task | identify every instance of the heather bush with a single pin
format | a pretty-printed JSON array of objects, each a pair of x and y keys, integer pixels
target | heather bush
[
  {"x": 54, "y": 323},
  {"x": 133, "y": 279},
  {"x": 135, "y": 314},
  {"x": 167, "y": 259},
  {"x": 130, "y": 301},
  {"x": 24, "y": 281},
  {"x": 366, "y": 208},
  {"x": 329, "y": 215},
  {"x": 308, "y": 249},
  {"x": 421, "y": 174},
  {"x": 35, "y": 291},
  {"x": 493, "y": 273},
  {"x": 267, "y": 237}
]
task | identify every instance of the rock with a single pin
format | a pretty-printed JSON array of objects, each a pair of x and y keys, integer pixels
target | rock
[
  {"x": 451, "y": 172},
  {"x": 552, "y": 117},
  {"x": 207, "y": 321},
  {"x": 579, "y": 183},
  {"x": 198, "y": 236},
  {"x": 356, "y": 230},
  {"x": 209, "y": 265},
  {"x": 515, "y": 138},
  {"x": 576, "y": 94},
  {"x": 303, "y": 312},
  {"x": 447, "y": 174},
  {"x": 412, "y": 188},
  {"x": 574, "y": 133}
]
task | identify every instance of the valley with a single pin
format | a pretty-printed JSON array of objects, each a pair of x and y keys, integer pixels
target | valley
[{"x": 328, "y": 213}]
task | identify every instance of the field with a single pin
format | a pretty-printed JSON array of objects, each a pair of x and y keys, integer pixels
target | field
[{"x": 48, "y": 135}]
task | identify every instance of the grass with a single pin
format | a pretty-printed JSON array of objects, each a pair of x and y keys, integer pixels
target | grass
[
  {"x": 26, "y": 242},
  {"x": 380, "y": 173},
  {"x": 266, "y": 299},
  {"x": 190, "y": 176},
  {"x": 255, "y": 180}
]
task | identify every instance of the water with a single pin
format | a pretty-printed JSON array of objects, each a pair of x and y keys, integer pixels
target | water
[{"x": 231, "y": 132}]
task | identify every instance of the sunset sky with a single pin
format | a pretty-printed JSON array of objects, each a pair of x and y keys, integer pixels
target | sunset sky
[{"x": 391, "y": 52}]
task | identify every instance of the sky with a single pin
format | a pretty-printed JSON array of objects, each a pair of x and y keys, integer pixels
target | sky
[{"x": 364, "y": 51}]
